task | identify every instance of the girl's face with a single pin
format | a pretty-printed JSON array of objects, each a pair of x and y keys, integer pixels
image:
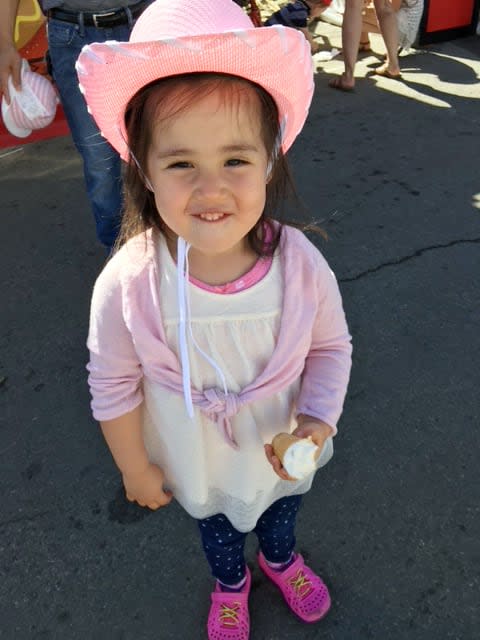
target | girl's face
[{"x": 208, "y": 169}]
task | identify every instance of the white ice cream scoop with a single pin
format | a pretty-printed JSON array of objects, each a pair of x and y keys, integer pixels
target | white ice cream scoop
[{"x": 298, "y": 455}]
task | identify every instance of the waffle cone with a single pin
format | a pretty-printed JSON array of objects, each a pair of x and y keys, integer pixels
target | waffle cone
[{"x": 281, "y": 442}]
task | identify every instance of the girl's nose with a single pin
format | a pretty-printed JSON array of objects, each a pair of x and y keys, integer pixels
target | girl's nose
[{"x": 209, "y": 184}]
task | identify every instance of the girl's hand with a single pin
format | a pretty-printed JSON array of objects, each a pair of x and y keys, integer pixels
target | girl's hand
[
  {"x": 146, "y": 487},
  {"x": 316, "y": 429},
  {"x": 319, "y": 431},
  {"x": 276, "y": 464}
]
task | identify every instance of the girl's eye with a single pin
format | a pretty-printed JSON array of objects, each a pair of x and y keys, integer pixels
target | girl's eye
[
  {"x": 180, "y": 165},
  {"x": 235, "y": 162}
]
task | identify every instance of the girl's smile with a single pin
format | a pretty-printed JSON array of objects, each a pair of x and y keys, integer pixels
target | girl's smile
[{"x": 211, "y": 216}]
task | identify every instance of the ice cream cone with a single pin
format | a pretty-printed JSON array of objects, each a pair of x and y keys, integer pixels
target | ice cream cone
[
  {"x": 281, "y": 442},
  {"x": 295, "y": 467}
]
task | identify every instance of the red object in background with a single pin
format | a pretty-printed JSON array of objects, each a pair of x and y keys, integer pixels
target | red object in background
[
  {"x": 445, "y": 14},
  {"x": 254, "y": 13},
  {"x": 447, "y": 19},
  {"x": 34, "y": 52},
  {"x": 58, "y": 127}
]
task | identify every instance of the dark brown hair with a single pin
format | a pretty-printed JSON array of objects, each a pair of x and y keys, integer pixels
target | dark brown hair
[{"x": 140, "y": 212}]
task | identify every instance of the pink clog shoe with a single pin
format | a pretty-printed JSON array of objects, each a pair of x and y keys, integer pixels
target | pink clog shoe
[
  {"x": 229, "y": 618},
  {"x": 305, "y": 593}
]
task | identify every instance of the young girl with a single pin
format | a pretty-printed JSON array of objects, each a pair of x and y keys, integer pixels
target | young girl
[{"x": 214, "y": 327}]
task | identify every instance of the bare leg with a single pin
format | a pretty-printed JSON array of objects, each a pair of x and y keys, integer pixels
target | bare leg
[
  {"x": 351, "y": 30},
  {"x": 387, "y": 21},
  {"x": 364, "y": 42}
]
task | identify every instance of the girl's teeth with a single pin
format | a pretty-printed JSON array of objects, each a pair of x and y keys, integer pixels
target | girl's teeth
[{"x": 211, "y": 216}]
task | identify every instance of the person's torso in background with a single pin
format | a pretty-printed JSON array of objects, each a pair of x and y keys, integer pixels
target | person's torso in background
[{"x": 93, "y": 6}]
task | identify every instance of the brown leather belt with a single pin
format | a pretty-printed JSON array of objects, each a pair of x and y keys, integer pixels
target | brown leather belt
[{"x": 102, "y": 20}]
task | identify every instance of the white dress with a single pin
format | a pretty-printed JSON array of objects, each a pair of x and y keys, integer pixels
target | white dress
[
  {"x": 408, "y": 17},
  {"x": 207, "y": 475}
]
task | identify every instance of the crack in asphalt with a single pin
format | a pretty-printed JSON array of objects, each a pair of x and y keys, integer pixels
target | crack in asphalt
[
  {"x": 416, "y": 254},
  {"x": 26, "y": 518}
]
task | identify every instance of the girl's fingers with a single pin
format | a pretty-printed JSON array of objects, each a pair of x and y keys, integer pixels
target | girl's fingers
[
  {"x": 271, "y": 457},
  {"x": 268, "y": 450},
  {"x": 162, "y": 501},
  {"x": 275, "y": 462},
  {"x": 167, "y": 498},
  {"x": 282, "y": 473}
]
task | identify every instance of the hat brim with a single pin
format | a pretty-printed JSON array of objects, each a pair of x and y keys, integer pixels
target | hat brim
[
  {"x": 9, "y": 122},
  {"x": 276, "y": 58}
]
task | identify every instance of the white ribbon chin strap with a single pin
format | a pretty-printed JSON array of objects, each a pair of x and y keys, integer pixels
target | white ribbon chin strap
[{"x": 185, "y": 326}]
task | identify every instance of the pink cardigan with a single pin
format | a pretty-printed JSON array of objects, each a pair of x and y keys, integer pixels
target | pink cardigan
[{"x": 127, "y": 339}]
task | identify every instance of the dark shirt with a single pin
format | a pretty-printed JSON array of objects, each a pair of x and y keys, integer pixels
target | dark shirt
[
  {"x": 294, "y": 14},
  {"x": 85, "y": 5}
]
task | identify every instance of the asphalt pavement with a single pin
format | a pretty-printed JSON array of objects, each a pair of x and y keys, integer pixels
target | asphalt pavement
[{"x": 392, "y": 523}]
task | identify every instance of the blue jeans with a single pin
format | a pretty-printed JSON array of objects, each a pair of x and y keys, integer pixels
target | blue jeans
[
  {"x": 224, "y": 545},
  {"x": 101, "y": 163}
]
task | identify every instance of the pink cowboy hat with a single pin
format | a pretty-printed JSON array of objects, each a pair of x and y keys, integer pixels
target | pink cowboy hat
[{"x": 173, "y": 37}]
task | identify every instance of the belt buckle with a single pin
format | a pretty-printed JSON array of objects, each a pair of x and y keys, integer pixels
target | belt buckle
[{"x": 96, "y": 16}]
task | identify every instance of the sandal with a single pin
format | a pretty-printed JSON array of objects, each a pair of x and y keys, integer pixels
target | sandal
[
  {"x": 364, "y": 47},
  {"x": 385, "y": 73},
  {"x": 305, "y": 593},
  {"x": 229, "y": 618},
  {"x": 339, "y": 84}
]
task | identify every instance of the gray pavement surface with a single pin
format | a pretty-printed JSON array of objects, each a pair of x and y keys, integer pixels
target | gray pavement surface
[{"x": 392, "y": 522}]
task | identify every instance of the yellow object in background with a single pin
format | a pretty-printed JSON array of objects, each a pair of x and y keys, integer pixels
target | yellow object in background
[{"x": 29, "y": 20}]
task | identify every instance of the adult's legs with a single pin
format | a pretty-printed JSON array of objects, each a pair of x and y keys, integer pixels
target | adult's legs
[
  {"x": 101, "y": 163},
  {"x": 387, "y": 21},
  {"x": 351, "y": 33}
]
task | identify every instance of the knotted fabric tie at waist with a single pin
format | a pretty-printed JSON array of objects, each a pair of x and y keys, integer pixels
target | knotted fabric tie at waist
[{"x": 221, "y": 408}]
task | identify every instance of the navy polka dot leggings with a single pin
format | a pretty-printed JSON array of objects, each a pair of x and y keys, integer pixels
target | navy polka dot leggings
[{"x": 224, "y": 545}]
